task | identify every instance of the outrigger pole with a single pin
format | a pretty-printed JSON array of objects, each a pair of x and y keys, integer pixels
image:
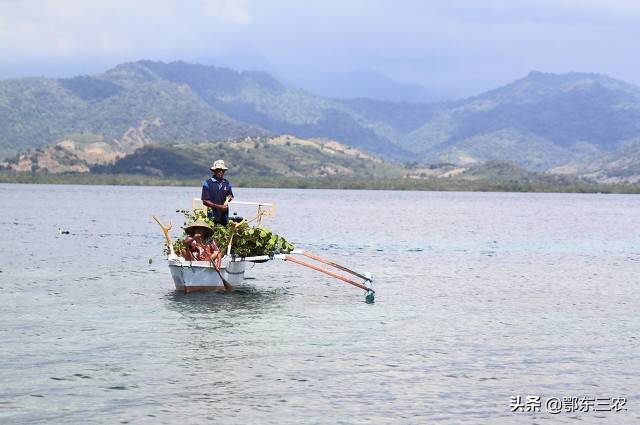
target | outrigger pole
[
  {"x": 369, "y": 296},
  {"x": 337, "y": 266},
  {"x": 330, "y": 273}
]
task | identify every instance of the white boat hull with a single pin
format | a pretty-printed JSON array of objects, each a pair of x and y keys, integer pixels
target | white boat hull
[{"x": 190, "y": 276}]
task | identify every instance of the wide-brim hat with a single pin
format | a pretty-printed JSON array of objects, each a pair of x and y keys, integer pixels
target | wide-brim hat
[
  {"x": 189, "y": 230},
  {"x": 218, "y": 165}
]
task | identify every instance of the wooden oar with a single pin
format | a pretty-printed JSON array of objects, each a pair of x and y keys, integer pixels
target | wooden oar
[
  {"x": 332, "y": 274},
  {"x": 225, "y": 283}
]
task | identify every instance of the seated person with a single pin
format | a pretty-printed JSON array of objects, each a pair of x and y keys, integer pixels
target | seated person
[{"x": 199, "y": 244}]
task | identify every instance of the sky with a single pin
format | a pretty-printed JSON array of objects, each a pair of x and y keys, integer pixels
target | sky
[{"x": 451, "y": 48}]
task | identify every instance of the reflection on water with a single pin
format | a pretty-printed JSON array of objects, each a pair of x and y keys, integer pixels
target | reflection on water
[{"x": 246, "y": 298}]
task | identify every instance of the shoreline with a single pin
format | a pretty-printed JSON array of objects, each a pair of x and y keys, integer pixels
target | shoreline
[{"x": 359, "y": 183}]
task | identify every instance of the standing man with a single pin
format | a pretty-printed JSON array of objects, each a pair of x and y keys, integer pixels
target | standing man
[{"x": 216, "y": 194}]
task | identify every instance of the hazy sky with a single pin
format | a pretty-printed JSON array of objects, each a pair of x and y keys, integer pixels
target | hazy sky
[{"x": 458, "y": 46}]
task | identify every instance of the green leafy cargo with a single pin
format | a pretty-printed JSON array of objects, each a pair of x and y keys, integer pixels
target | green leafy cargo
[{"x": 246, "y": 240}]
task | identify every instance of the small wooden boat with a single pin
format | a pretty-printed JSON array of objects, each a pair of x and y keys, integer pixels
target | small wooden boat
[{"x": 191, "y": 276}]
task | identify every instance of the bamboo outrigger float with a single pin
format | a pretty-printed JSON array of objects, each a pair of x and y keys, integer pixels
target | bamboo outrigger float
[{"x": 191, "y": 276}]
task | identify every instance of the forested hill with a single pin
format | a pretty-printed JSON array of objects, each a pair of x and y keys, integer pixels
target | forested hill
[{"x": 543, "y": 121}]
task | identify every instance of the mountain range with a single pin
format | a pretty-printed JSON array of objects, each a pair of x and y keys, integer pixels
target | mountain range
[{"x": 574, "y": 123}]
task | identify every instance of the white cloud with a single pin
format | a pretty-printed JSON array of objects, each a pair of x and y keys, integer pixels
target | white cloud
[
  {"x": 232, "y": 11},
  {"x": 57, "y": 29},
  {"x": 419, "y": 40}
]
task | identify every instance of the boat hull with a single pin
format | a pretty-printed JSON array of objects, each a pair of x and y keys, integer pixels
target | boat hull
[{"x": 202, "y": 276}]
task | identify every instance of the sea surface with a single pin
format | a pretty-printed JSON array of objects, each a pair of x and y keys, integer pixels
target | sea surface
[{"x": 480, "y": 298}]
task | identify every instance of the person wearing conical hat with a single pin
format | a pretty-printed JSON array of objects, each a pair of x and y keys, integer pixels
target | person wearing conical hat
[
  {"x": 216, "y": 194},
  {"x": 199, "y": 244}
]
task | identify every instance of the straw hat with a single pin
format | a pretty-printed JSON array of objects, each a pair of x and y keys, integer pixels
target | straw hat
[
  {"x": 218, "y": 165},
  {"x": 190, "y": 229}
]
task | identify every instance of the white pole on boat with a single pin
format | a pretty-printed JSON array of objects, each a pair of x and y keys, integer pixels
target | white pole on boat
[{"x": 260, "y": 204}]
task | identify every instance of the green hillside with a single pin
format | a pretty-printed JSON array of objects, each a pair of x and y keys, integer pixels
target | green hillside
[
  {"x": 284, "y": 156},
  {"x": 541, "y": 122},
  {"x": 38, "y": 112},
  {"x": 621, "y": 166}
]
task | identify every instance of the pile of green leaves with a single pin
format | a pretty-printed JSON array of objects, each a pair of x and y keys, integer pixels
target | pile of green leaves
[{"x": 248, "y": 241}]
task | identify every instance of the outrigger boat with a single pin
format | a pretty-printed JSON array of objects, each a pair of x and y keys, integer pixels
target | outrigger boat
[{"x": 191, "y": 276}]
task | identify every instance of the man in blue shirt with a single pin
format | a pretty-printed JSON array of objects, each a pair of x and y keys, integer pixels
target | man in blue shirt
[{"x": 216, "y": 193}]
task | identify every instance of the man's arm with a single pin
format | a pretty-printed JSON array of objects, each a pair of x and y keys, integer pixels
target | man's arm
[
  {"x": 215, "y": 206},
  {"x": 229, "y": 196}
]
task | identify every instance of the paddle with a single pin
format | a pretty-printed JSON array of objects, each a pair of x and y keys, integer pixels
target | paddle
[{"x": 227, "y": 285}]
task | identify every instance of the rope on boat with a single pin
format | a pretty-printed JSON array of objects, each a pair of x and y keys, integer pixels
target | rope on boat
[
  {"x": 262, "y": 212},
  {"x": 233, "y": 232}
]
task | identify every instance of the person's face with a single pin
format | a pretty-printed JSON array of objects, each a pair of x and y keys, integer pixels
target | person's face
[{"x": 218, "y": 173}]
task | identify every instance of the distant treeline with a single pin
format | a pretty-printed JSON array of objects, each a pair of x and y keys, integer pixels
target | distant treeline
[{"x": 434, "y": 184}]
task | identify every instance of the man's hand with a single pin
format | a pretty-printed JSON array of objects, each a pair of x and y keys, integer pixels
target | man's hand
[{"x": 215, "y": 206}]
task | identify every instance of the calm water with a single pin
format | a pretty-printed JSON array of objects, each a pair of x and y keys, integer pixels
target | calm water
[{"x": 480, "y": 297}]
